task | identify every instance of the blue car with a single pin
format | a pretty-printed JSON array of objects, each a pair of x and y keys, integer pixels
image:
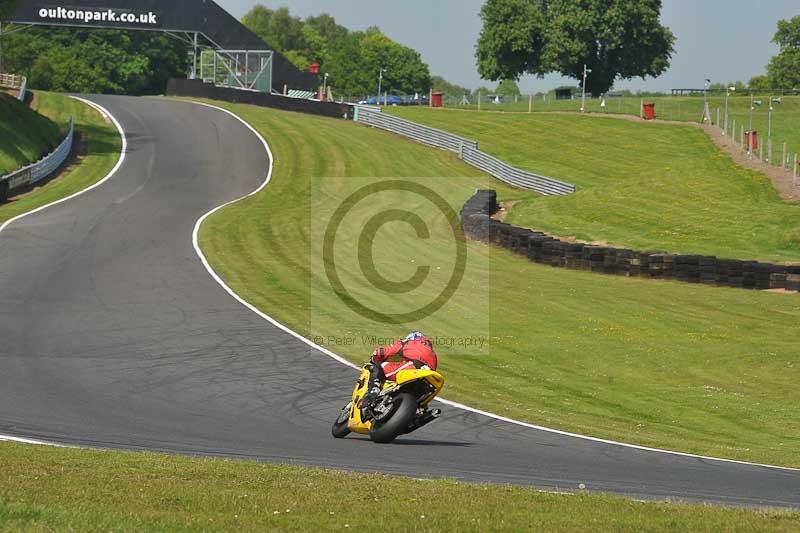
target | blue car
[{"x": 391, "y": 100}]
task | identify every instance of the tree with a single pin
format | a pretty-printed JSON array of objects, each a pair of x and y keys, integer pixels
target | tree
[
  {"x": 788, "y": 34},
  {"x": 508, "y": 88},
  {"x": 97, "y": 61},
  {"x": 760, "y": 84},
  {"x": 452, "y": 90},
  {"x": 6, "y": 8},
  {"x": 784, "y": 68},
  {"x": 277, "y": 27},
  {"x": 405, "y": 71},
  {"x": 352, "y": 59},
  {"x": 616, "y": 39},
  {"x": 739, "y": 87},
  {"x": 326, "y": 26}
]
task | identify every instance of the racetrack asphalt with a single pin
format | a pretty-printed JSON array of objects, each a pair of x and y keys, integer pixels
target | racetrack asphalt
[{"x": 115, "y": 335}]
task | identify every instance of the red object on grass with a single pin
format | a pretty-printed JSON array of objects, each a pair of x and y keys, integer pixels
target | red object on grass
[{"x": 752, "y": 139}]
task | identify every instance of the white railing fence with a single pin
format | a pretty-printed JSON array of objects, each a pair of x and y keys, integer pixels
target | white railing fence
[
  {"x": 40, "y": 170},
  {"x": 16, "y": 82},
  {"x": 466, "y": 149}
]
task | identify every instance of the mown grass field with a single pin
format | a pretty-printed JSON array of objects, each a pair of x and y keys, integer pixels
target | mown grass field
[
  {"x": 643, "y": 186},
  {"x": 25, "y": 136},
  {"x": 697, "y": 369},
  {"x": 46, "y": 489},
  {"x": 102, "y": 150},
  {"x": 785, "y": 119}
]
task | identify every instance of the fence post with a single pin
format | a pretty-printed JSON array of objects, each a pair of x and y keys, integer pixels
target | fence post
[
  {"x": 461, "y": 149},
  {"x": 769, "y": 152},
  {"x": 718, "y": 124},
  {"x": 783, "y": 159},
  {"x": 794, "y": 173},
  {"x": 479, "y": 100},
  {"x": 641, "y": 109},
  {"x": 530, "y": 104},
  {"x": 741, "y": 136}
]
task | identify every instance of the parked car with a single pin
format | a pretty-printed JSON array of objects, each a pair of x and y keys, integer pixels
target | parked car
[{"x": 390, "y": 100}]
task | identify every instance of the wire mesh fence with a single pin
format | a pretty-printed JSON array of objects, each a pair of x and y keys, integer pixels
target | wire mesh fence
[{"x": 774, "y": 118}]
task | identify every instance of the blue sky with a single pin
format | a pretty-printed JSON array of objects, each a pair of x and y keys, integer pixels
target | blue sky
[{"x": 724, "y": 40}]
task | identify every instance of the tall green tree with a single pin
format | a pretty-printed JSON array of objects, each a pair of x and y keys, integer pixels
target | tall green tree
[
  {"x": 616, "y": 39},
  {"x": 405, "y": 72},
  {"x": 95, "y": 61},
  {"x": 327, "y": 27},
  {"x": 784, "y": 68},
  {"x": 353, "y": 60},
  {"x": 760, "y": 84},
  {"x": 277, "y": 27}
]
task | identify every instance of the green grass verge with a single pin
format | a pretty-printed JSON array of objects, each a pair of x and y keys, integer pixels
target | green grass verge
[
  {"x": 102, "y": 152},
  {"x": 692, "y": 368},
  {"x": 643, "y": 186},
  {"x": 45, "y": 489},
  {"x": 25, "y": 136},
  {"x": 785, "y": 119}
]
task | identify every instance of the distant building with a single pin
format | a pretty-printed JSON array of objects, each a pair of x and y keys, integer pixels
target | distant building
[{"x": 565, "y": 93}]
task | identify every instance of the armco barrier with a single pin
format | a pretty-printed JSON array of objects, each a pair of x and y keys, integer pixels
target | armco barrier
[
  {"x": 198, "y": 89},
  {"x": 418, "y": 132},
  {"x": 478, "y": 224},
  {"x": 23, "y": 89},
  {"x": 40, "y": 170},
  {"x": 466, "y": 149}
]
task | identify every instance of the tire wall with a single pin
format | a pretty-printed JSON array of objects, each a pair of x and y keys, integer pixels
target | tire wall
[{"x": 478, "y": 224}]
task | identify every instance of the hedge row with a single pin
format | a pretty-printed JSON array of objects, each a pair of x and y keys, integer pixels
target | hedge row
[{"x": 478, "y": 224}]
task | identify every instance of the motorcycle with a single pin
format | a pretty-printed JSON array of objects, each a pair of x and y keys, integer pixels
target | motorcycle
[{"x": 400, "y": 408}]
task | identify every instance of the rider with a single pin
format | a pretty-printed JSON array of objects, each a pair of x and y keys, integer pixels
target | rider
[{"x": 416, "y": 351}]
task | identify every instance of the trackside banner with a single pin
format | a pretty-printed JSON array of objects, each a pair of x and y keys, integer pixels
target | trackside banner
[
  {"x": 76, "y": 15},
  {"x": 205, "y": 17}
]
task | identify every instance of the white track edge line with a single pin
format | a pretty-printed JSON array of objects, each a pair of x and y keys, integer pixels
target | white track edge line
[
  {"x": 34, "y": 442},
  {"x": 105, "y": 113},
  {"x": 440, "y": 400}
]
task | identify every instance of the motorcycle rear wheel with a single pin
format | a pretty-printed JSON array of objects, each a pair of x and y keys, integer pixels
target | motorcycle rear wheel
[
  {"x": 404, "y": 410},
  {"x": 340, "y": 429}
]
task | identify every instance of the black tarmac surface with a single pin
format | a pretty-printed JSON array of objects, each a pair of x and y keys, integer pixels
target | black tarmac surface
[{"x": 114, "y": 335}]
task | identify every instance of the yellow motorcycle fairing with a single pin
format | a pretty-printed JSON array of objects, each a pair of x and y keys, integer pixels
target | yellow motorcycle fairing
[
  {"x": 404, "y": 377},
  {"x": 431, "y": 376}
]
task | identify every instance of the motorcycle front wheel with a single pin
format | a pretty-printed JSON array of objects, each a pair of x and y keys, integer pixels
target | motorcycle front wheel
[
  {"x": 340, "y": 429},
  {"x": 405, "y": 407}
]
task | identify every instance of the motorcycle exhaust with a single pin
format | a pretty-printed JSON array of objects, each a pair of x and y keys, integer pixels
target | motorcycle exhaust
[{"x": 429, "y": 417}]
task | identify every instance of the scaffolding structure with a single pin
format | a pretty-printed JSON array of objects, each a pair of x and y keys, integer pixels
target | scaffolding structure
[{"x": 243, "y": 69}]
